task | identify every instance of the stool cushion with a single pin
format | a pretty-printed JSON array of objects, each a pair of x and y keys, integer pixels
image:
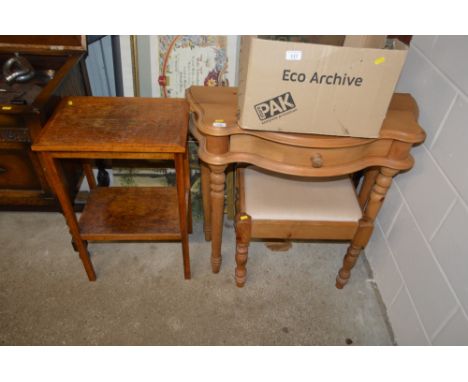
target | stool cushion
[{"x": 273, "y": 196}]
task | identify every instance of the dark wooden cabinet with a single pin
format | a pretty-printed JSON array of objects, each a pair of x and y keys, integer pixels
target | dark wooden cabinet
[{"x": 60, "y": 71}]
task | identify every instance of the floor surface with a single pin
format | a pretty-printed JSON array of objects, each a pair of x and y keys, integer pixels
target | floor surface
[{"x": 141, "y": 298}]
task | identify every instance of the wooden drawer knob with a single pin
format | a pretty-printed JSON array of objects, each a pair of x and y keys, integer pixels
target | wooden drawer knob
[{"x": 317, "y": 160}]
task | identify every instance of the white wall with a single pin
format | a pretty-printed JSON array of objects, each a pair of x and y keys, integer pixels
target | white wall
[
  {"x": 126, "y": 65},
  {"x": 419, "y": 250}
]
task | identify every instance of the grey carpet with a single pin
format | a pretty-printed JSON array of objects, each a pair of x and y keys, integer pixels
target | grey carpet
[{"x": 141, "y": 298}]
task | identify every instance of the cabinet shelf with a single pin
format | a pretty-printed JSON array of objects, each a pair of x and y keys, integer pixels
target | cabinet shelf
[{"x": 131, "y": 213}]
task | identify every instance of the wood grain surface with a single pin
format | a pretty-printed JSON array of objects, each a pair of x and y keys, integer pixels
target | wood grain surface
[
  {"x": 116, "y": 124},
  {"x": 131, "y": 213},
  {"x": 210, "y": 104}
]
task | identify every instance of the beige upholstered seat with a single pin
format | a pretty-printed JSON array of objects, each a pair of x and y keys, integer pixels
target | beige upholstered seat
[
  {"x": 272, "y": 196},
  {"x": 275, "y": 206}
]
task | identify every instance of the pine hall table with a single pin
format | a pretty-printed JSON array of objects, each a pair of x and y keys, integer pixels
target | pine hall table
[
  {"x": 222, "y": 142},
  {"x": 90, "y": 128}
]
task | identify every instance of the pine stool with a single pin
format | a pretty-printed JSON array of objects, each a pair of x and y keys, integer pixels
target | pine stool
[{"x": 276, "y": 206}]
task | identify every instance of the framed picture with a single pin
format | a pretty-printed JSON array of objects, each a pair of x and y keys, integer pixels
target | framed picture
[
  {"x": 184, "y": 61},
  {"x": 165, "y": 66}
]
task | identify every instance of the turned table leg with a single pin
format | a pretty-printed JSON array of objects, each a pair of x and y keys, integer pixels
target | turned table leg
[
  {"x": 53, "y": 173},
  {"x": 217, "y": 183},
  {"x": 366, "y": 224},
  {"x": 205, "y": 190},
  {"x": 243, "y": 234}
]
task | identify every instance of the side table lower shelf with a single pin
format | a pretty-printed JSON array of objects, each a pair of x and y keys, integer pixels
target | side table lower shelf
[{"x": 131, "y": 214}]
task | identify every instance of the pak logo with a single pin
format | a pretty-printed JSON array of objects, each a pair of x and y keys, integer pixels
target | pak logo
[{"x": 275, "y": 106}]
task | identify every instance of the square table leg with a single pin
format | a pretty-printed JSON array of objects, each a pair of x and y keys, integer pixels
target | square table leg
[
  {"x": 188, "y": 190},
  {"x": 88, "y": 170},
  {"x": 181, "y": 180},
  {"x": 54, "y": 174}
]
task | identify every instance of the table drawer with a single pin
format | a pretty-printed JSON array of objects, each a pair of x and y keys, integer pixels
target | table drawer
[
  {"x": 308, "y": 157},
  {"x": 17, "y": 170}
]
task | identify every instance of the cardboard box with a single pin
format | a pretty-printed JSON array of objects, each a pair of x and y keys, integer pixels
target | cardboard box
[{"x": 316, "y": 88}]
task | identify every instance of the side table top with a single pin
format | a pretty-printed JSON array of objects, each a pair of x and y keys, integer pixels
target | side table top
[
  {"x": 213, "y": 103},
  {"x": 116, "y": 124}
]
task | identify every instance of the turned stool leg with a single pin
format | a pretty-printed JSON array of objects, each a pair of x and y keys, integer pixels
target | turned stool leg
[
  {"x": 217, "y": 180},
  {"x": 369, "y": 180},
  {"x": 359, "y": 241},
  {"x": 366, "y": 224},
  {"x": 243, "y": 234}
]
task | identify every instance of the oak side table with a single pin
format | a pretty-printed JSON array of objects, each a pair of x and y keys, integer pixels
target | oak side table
[{"x": 88, "y": 128}]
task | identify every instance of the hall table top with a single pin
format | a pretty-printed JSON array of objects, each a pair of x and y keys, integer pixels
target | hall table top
[{"x": 291, "y": 152}]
